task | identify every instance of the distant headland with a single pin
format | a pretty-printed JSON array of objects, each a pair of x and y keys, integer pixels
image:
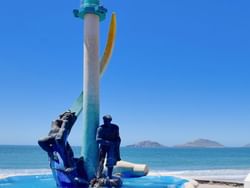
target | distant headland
[
  {"x": 201, "y": 143},
  {"x": 146, "y": 144}
]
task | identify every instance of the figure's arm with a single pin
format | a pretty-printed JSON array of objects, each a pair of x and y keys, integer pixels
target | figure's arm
[
  {"x": 99, "y": 137},
  {"x": 68, "y": 119},
  {"x": 45, "y": 143},
  {"x": 62, "y": 133},
  {"x": 118, "y": 138}
]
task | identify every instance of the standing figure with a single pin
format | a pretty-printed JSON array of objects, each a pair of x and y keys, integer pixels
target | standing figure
[{"x": 109, "y": 145}]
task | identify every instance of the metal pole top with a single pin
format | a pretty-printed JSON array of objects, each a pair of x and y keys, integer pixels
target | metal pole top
[{"x": 90, "y": 7}]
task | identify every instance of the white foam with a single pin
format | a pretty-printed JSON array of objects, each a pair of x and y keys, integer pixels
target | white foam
[
  {"x": 236, "y": 175},
  {"x": 23, "y": 172}
]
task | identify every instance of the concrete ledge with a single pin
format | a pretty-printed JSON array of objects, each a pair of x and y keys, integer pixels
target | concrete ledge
[
  {"x": 247, "y": 182},
  {"x": 191, "y": 184}
]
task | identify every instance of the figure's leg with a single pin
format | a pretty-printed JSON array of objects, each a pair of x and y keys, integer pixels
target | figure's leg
[
  {"x": 69, "y": 155},
  {"x": 102, "y": 155},
  {"x": 80, "y": 167},
  {"x": 110, "y": 171},
  {"x": 111, "y": 160}
]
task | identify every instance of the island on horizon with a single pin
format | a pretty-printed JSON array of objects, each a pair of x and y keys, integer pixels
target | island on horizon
[
  {"x": 247, "y": 146},
  {"x": 201, "y": 143},
  {"x": 198, "y": 143},
  {"x": 146, "y": 144}
]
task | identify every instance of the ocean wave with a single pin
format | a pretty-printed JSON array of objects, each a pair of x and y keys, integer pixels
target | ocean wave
[
  {"x": 236, "y": 175},
  {"x": 23, "y": 172}
]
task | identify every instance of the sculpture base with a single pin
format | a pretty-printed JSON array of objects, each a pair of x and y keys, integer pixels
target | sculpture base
[
  {"x": 47, "y": 181},
  {"x": 106, "y": 182}
]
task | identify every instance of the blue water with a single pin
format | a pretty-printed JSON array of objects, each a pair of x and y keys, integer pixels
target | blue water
[
  {"x": 190, "y": 159},
  {"x": 214, "y": 163}
]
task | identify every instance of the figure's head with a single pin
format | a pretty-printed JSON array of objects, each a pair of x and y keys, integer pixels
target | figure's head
[{"x": 107, "y": 119}]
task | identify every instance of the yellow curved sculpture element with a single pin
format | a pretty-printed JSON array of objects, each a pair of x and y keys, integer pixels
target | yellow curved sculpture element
[
  {"x": 77, "y": 105},
  {"x": 109, "y": 45}
]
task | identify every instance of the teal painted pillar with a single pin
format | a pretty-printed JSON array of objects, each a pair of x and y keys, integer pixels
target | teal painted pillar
[
  {"x": 87, "y": 3},
  {"x": 92, "y": 13},
  {"x": 91, "y": 92}
]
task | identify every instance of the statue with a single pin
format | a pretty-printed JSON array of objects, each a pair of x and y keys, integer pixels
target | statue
[
  {"x": 109, "y": 145},
  {"x": 67, "y": 170},
  {"x": 109, "y": 148}
]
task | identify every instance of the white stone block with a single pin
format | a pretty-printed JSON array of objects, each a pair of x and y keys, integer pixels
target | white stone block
[
  {"x": 247, "y": 182},
  {"x": 131, "y": 169}
]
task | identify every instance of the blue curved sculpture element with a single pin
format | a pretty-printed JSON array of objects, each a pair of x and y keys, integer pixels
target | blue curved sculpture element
[
  {"x": 70, "y": 177},
  {"x": 68, "y": 171}
]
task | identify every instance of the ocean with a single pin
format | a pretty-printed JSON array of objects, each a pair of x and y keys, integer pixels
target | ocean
[{"x": 230, "y": 164}]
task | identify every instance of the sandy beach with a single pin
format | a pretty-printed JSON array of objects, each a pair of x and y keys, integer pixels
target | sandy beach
[
  {"x": 219, "y": 184},
  {"x": 2, "y": 177}
]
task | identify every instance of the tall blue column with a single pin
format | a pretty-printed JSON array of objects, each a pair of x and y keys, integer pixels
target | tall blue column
[{"x": 92, "y": 13}]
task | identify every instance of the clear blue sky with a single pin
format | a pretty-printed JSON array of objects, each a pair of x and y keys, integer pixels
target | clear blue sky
[{"x": 180, "y": 69}]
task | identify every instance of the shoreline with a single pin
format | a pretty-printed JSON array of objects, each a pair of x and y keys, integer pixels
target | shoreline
[{"x": 3, "y": 177}]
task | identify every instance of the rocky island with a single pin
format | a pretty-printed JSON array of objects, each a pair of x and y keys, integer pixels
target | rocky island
[
  {"x": 146, "y": 144},
  {"x": 201, "y": 143}
]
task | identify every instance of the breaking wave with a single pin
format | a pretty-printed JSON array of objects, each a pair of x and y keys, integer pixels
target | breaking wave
[
  {"x": 23, "y": 172},
  {"x": 235, "y": 175}
]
